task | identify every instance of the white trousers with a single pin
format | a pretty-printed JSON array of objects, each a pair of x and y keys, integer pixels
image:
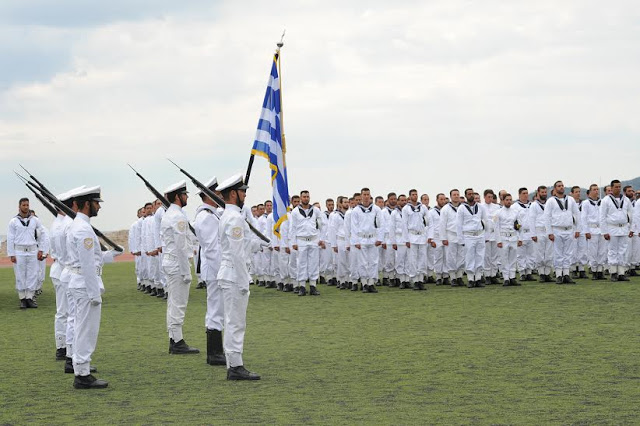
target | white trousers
[
  {"x": 342, "y": 263},
  {"x": 293, "y": 266},
  {"x": 401, "y": 261},
  {"x": 176, "y": 305},
  {"x": 87, "y": 326},
  {"x": 42, "y": 268},
  {"x": 508, "y": 256},
  {"x": 454, "y": 257},
  {"x": 308, "y": 263},
  {"x": 597, "y": 252},
  {"x": 354, "y": 271},
  {"x": 367, "y": 262},
  {"x": 543, "y": 255},
  {"x": 526, "y": 256},
  {"x": 617, "y": 250},
  {"x": 62, "y": 311},
  {"x": 563, "y": 252},
  {"x": 491, "y": 258},
  {"x": 235, "y": 321},
  {"x": 283, "y": 264},
  {"x": 136, "y": 260},
  {"x": 439, "y": 260},
  {"x": 474, "y": 257},
  {"x": 71, "y": 321},
  {"x": 214, "y": 318},
  {"x": 580, "y": 258},
  {"x": 26, "y": 270},
  {"x": 416, "y": 263},
  {"x": 635, "y": 250},
  {"x": 326, "y": 260}
]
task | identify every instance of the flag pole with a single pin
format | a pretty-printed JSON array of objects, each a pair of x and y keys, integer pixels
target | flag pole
[{"x": 252, "y": 156}]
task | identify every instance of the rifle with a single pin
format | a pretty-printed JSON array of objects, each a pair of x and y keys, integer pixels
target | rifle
[
  {"x": 219, "y": 201},
  {"x": 64, "y": 208},
  {"x": 44, "y": 202},
  {"x": 157, "y": 194}
]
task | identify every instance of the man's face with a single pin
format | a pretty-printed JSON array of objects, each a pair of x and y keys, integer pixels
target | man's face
[
  {"x": 476, "y": 198},
  {"x": 507, "y": 202},
  {"x": 380, "y": 202},
  {"x": 575, "y": 193},
  {"x": 345, "y": 204},
  {"x": 488, "y": 199},
  {"x": 468, "y": 194},
  {"x": 148, "y": 209},
  {"x": 441, "y": 200},
  {"x": 616, "y": 188},
  {"x": 254, "y": 211},
  {"x": 183, "y": 199},
  {"x": 260, "y": 210},
  {"x": 524, "y": 196},
  {"x": 424, "y": 199},
  {"x": 352, "y": 203},
  {"x": 593, "y": 192},
  {"x": 295, "y": 202},
  {"x": 242, "y": 194},
  {"x": 413, "y": 197},
  {"x": 24, "y": 208},
  {"x": 95, "y": 207},
  {"x": 393, "y": 201},
  {"x": 501, "y": 194},
  {"x": 607, "y": 190},
  {"x": 455, "y": 197},
  {"x": 542, "y": 194},
  {"x": 402, "y": 201},
  {"x": 358, "y": 199},
  {"x": 630, "y": 193},
  {"x": 139, "y": 213},
  {"x": 268, "y": 207},
  {"x": 158, "y": 204},
  {"x": 330, "y": 206},
  {"x": 305, "y": 197},
  {"x": 365, "y": 198},
  {"x": 559, "y": 188}
]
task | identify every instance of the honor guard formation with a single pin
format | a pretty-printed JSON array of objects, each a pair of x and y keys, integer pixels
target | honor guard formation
[{"x": 358, "y": 243}]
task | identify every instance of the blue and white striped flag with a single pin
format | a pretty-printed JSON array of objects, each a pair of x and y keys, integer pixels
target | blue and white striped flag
[{"x": 268, "y": 144}]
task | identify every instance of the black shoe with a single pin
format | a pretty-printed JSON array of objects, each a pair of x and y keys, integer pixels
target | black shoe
[
  {"x": 431, "y": 280},
  {"x": 623, "y": 277},
  {"x": 594, "y": 276},
  {"x": 601, "y": 275},
  {"x": 493, "y": 280},
  {"x": 166, "y": 295},
  {"x": 271, "y": 284},
  {"x": 241, "y": 373},
  {"x": 323, "y": 280},
  {"x": 542, "y": 278},
  {"x": 365, "y": 288},
  {"x": 574, "y": 274},
  {"x": 147, "y": 289},
  {"x": 38, "y": 292},
  {"x": 353, "y": 287},
  {"x": 160, "y": 292},
  {"x": 559, "y": 280},
  {"x": 23, "y": 303},
  {"x": 280, "y": 287},
  {"x": 181, "y": 348},
  {"x": 614, "y": 277},
  {"x": 372, "y": 289},
  {"x": 201, "y": 284},
  {"x": 632, "y": 273},
  {"x": 89, "y": 382},
  {"x": 583, "y": 275},
  {"x": 302, "y": 291},
  {"x": 154, "y": 292},
  {"x": 215, "y": 352},
  {"x": 454, "y": 283},
  {"x": 528, "y": 277},
  {"x": 140, "y": 287},
  {"x": 480, "y": 284},
  {"x": 313, "y": 291},
  {"x": 471, "y": 284},
  {"x": 506, "y": 283},
  {"x": 460, "y": 282},
  {"x": 446, "y": 281},
  {"x": 31, "y": 303},
  {"x": 438, "y": 282},
  {"x": 567, "y": 280},
  {"x": 287, "y": 288},
  {"x": 513, "y": 282},
  {"x": 548, "y": 279},
  {"x": 61, "y": 354},
  {"x": 402, "y": 286}
]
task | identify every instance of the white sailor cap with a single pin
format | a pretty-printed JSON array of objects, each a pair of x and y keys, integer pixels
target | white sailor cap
[
  {"x": 178, "y": 187},
  {"x": 92, "y": 193},
  {"x": 212, "y": 184},
  {"x": 66, "y": 196},
  {"x": 234, "y": 182}
]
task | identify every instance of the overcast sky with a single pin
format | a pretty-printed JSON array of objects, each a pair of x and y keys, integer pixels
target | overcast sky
[{"x": 390, "y": 95}]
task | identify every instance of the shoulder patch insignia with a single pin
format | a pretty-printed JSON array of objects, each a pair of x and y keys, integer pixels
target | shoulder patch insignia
[
  {"x": 88, "y": 243},
  {"x": 182, "y": 225},
  {"x": 236, "y": 232}
]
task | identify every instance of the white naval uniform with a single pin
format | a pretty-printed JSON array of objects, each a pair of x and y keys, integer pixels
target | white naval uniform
[
  {"x": 397, "y": 237},
  {"x": 616, "y": 219},
  {"x": 543, "y": 246},
  {"x": 635, "y": 241},
  {"x": 281, "y": 256},
  {"x": 175, "y": 264},
  {"x": 454, "y": 252},
  {"x": 415, "y": 223},
  {"x": 23, "y": 238},
  {"x": 562, "y": 221},
  {"x": 471, "y": 225},
  {"x": 509, "y": 237},
  {"x": 305, "y": 233},
  {"x": 388, "y": 261},
  {"x": 236, "y": 245},
  {"x": 491, "y": 252},
  {"x": 149, "y": 245},
  {"x": 134, "y": 238},
  {"x": 596, "y": 245},
  {"x": 274, "y": 265},
  {"x": 293, "y": 254},
  {"x": 58, "y": 250},
  {"x": 263, "y": 257},
  {"x": 526, "y": 252},
  {"x": 366, "y": 229},
  {"x": 437, "y": 251},
  {"x": 160, "y": 279},
  {"x": 44, "y": 246},
  {"x": 580, "y": 259},
  {"x": 86, "y": 288},
  {"x": 352, "y": 257},
  {"x": 337, "y": 238},
  {"x": 326, "y": 254},
  {"x": 65, "y": 277},
  {"x": 207, "y": 225}
]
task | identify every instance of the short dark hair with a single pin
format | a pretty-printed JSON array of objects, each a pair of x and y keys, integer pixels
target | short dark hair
[
  {"x": 402, "y": 195},
  {"x": 260, "y": 205},
  {"x": 295, "y": 197},
  {"x": 22, "y": 200},
  {"x": 439, "y": 194},
  {"x": 467, "y": 190},
  {"x": 356, "y": 194},
  {"x": 614, "y": 181},
  {"x": 379, "y": 197},
  {"x": 151, "y": 204},
  {"x": 451, "y": 192},
  {"x": 541, "y": 187},
  {"x": 556, "y": 183},
  {"x": 391, "y": 194},
  {"x": 488, "y": 191},
  {"x": 573, "y": 188},
  {"x": 364, "y": 189},
  {"x": 521, "y": 190},
  {"x": 329, "y": 199},
  {"x": 304, "y": 191},
  {"x": 268, "y": 201},
  {"x": 592, "y": 185},
  {"x": 411, "y": 191},
  {"x": 506, "y": 195},
  {"x": 626, "y": 187}
]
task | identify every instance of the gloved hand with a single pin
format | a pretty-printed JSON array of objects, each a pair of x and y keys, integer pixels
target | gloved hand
[
  {"x": 117, "y": 253},
  {"x": 186, "y": 279},
  {"x": 95, "y": 301}
]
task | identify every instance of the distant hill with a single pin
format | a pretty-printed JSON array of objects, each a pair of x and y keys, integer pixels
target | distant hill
[{"x": 633, "y": 182}]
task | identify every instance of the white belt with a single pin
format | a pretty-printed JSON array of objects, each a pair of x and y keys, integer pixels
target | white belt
[
  {"x": 411, "y": 231},
  {"x": 594, "y": 225},
  {"x": 473, "y": 233},
  {"x": 541, "y": 229},
  {"x": 619, "y": 225},
  {"x": 363, "y": 235},
  {"x": 24, "y": 248},
  {"x": 525, "y": 230},
  {"x": 507, "y": 234},
  {"x": 311, "y": 238},
  {"x": 563, "y": 228},
  {"x": 340, "y": 238},
  {"x": 77, "y": 271}
]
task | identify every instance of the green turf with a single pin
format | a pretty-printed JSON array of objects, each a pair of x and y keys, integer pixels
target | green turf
[{"x": 536, "y": 354}]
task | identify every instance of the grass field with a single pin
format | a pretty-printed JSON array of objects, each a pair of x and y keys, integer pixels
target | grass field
[{"x": 537, "y": 354}]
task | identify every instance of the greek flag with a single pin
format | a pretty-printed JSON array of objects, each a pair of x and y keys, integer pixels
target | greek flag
[{"x": 269, "y": 144}]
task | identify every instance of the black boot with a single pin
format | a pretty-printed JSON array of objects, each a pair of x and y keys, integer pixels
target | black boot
[
  {"x": 506, "y": 283},
  {"x": 241, "y": 373},
  {"x": 471, "y": 284},
  {"x": 31, "y": 303},
  {"x": 583, "y": 275},
  {"x": 23, "y": 303},
  {"x": 528, "y": 277},
  {"x": 567, "y": 280},
  {"x": 89, "y": 382},
  {"x": 372, "y": 289},
  {"x": 385, "y": 281},
  {"x": 147, "y": 289},
  {"x": 154, "y": 292},
  {"x": 160, "y": 292},
  {"x": 61, "y": 354},
  {"x": 614, "y": 277},
  {"x": 594, "y": 276},
  {"x": 215, "y": 353},
  {"x": 353, "y": 287},
  {"x": 438, "y": 282},
  {"x": 601, "y": 275},
  {"x": 287, "y": 289},
  {"x": 480, "y": 283},
  {"x": 633, "y": 273},
  {"x": 622, "y": 277},
  {"x": 460, "y": 282},
  {"x": 181, "y": 348},
  {"x": 313, "y": 291},
  {"x": 418, "y": 286},
  {"x": 445, "y": 281},
  {"x": 494, "y": 280},
  {"x": 323, "y": 280},
  {"x": 302, "y": 291},
  {"x": 280, "y": 287},
  {"x": 201, "y": 284},
  {"x": 559, "y": 280}
]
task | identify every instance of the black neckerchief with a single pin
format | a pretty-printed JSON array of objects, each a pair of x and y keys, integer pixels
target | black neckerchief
[
  {"x": 437, "y": 209},
  {"x": 475, "y": 208},
  {"x": 593, "y": 203},
  {"x": 366, "y": 209},
  {"x": 341, "y": 214},
  {"x": 455, "y": 209},
  {"x": 615, "y": 202},
  {"x": 304, "y": 214},
  {"x": 399, "y": 210},
  {"x": 566, "y": 203},
  {"x": 25, "y": 224},
  {"x": 523, "y": 205},
  {"x": 416, "y": 208},
  {"x": 540, "y": 204},
  {"x": 389, "y": 210},
  {"x": 327, "y": 213}
]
